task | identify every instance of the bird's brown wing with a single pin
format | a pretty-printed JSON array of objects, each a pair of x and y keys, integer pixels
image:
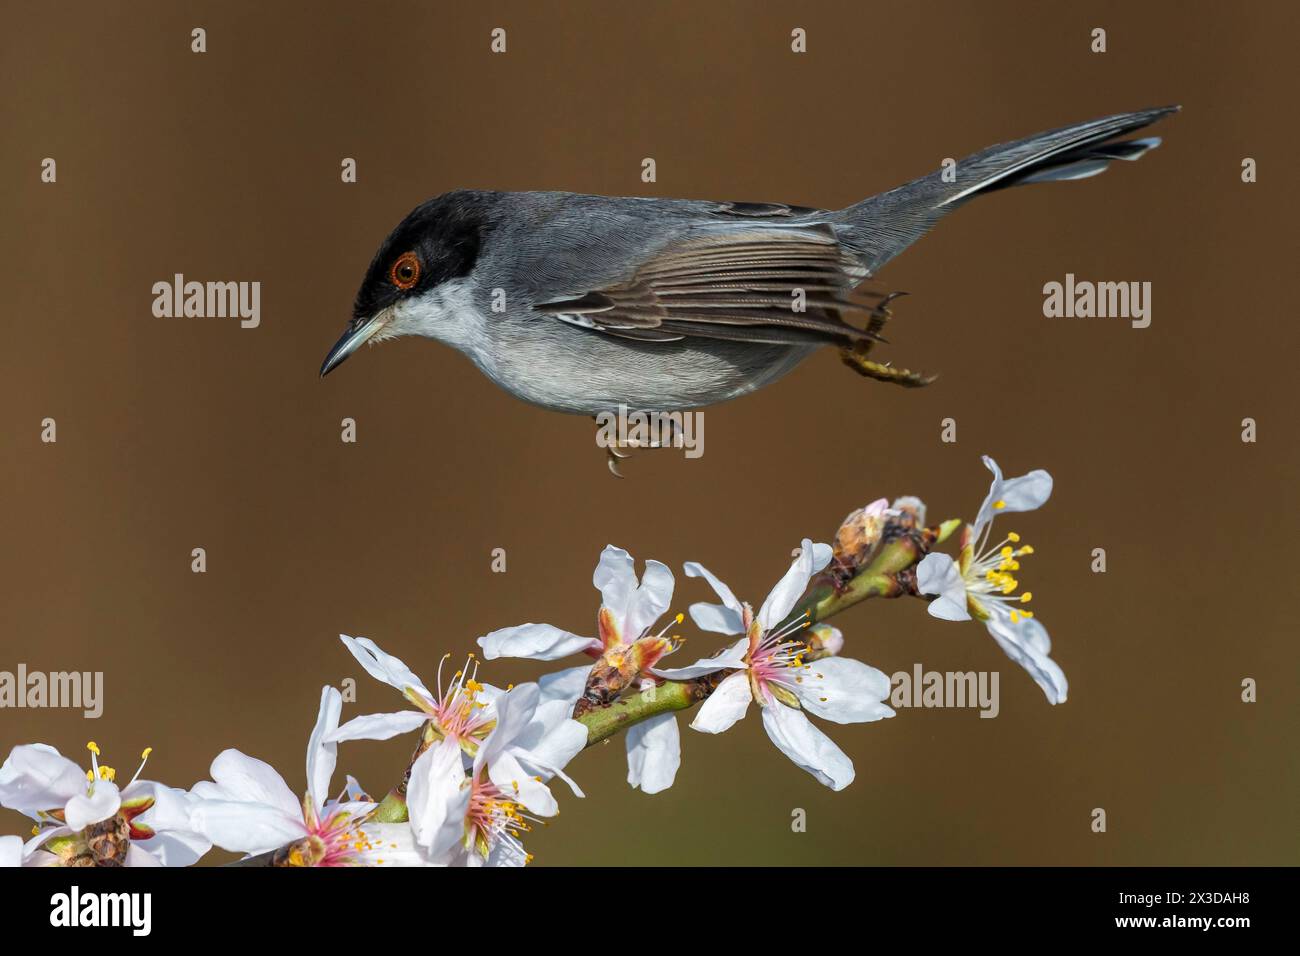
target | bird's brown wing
[{"x": 739, "y": 285}]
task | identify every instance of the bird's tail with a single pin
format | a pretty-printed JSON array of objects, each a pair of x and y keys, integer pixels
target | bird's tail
[{"x": 879, "y": 228}]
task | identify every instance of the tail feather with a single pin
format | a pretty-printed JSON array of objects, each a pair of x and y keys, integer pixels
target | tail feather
[
  {"x": 879, "y": 228},
  {"x": 1079, "y": 163}
]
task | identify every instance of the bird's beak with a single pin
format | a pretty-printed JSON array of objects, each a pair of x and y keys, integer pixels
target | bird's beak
[{"x": 352, "y": 340}]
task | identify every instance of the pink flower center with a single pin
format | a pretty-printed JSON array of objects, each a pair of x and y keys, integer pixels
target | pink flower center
[
  {"x": 340, "y": 839},
  {"x": 458, "y": 713},
  {"x": 775, "y": 659},
  {"x": 493, "y": 818}
]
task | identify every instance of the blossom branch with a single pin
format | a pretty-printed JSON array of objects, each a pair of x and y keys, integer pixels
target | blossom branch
[{"x": 874, "y": 556}]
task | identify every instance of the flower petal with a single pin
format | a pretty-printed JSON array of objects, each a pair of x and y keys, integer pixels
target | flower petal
[
  {"x": 37, "y": 777},
  {"x": 726, "y": 705},
  {"x": 1027, "y": 643},
  {"x": 538, "y": 642},
  {"x": 87, "y": 808},
  {"x": 175, "y": 841},
  {"x": 384, "y": 667},
  {"x": 732, "y": 657},
  {"x": 726, "y": 618},
  {"x": 323, "y": 753},
  {"x": 938, "y": 574},
  {"x": 379, "y": 726},
  {"x": 566, "y": 685},
  {"x": 176, "y": 848},
  {"x": 552, "y": 738},
  {"x": 137, "y": 855},
  {"x": 243, "y": 778},
  {"x": 392, "y": 844},
  {"x": 650, "y": 600},
  {"x": 615, "y": 578},
  {"x": 437, "y": 798},
  {"x": 843, "y": 690},
  {"x": 245, "y": 827},
  {"x": 32, "y": 847},
  {"x": 519, "y": 785},
  {"x": 809, "y": 748},
  {"x": 654, "y": 752},
  {"x": 812, "y": 558},
  {"x": 515, "y": 710},
  {"x": 11, "y": 851},
  {"x": 1026, "y": 493}
]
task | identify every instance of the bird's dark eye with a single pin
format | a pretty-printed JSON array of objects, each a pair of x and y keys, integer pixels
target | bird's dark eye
[{"x": 406, "y": 271}]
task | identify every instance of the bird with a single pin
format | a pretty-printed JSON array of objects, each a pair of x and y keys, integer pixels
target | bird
[{"x": 589, "y": 304}]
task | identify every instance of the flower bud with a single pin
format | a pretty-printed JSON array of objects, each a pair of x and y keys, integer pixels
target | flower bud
[
  {"x": 913, "y": 506},
  {"x": 857, "y": 538},
  {"x": 823, "y": 641}
]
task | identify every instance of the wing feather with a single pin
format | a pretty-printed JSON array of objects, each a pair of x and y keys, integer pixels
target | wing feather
[{"x": 736, "y": 285}]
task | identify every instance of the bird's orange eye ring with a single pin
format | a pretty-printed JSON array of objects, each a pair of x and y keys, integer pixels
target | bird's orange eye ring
[{"x": 405, "y": 272}]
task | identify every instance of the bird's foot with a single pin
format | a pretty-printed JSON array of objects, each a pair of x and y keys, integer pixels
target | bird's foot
[
  {"x": 614, "y": 456},
  {"x": 855, "y": 355},
  {"x": 618, "y": 452},
  {"x": 856, "y": 359}
]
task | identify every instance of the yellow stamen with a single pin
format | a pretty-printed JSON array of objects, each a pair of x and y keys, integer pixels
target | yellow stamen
[
  {"x": 999, "y": 505},
  {"x": 93, "y": 748}
]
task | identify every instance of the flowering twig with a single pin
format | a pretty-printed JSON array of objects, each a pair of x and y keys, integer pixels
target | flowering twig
[{"x": 875, "y": 555}]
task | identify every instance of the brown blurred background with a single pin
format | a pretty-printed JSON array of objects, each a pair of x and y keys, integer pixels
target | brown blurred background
[{"x": 183, "y": 433}]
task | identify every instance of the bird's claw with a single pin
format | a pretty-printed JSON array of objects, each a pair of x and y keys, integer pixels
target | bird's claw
[
  {"x": 883, "y": 371},
  {"x": 618, "y": 452}
]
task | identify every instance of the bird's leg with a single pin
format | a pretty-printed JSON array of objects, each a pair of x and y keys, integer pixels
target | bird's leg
[
  {"x": 855, "y": 355},
  {"x": 880, "y": 315}
]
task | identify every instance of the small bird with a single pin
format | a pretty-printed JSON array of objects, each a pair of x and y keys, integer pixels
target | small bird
[{"x": 583, "y": 304}]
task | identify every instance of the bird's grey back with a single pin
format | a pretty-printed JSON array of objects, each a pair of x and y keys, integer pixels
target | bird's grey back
[{"x": 558, "y": 245}]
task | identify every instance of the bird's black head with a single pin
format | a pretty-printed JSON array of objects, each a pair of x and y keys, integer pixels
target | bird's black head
[{"x": 437, "y": 242}]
